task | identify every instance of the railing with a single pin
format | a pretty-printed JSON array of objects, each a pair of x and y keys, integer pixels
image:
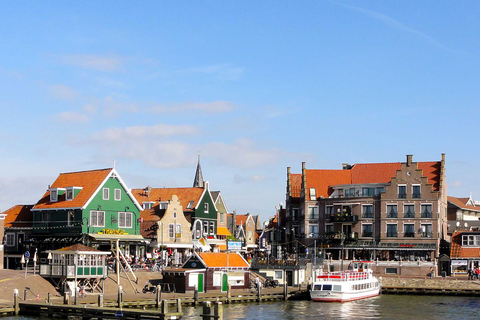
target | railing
[
  {"x": 344, "y": 218},
  {"x": 343, "y": 276}
]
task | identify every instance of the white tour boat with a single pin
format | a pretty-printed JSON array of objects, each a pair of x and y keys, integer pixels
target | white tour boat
[{"x": 342, "y": 286}]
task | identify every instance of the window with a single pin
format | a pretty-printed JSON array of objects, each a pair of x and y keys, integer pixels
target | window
[
  {"x": 106, "y": 193},
  {"x": 313, "y": 194},
  {"x": 190, "y": 205},
  {"x": 379, "y": 190},
  {"x": 392, "y": 230},
  {"x": 205, "y": 227},
  {"x": 340, "y": 193},
  {"x": 53, "y": 195},
  {"x": 162, "y": 205},
  {"x": 171, "y": 230},
  {"x": 367, "y": 230},
  {"x": 211, "y": 230},
  {"x": 178, "y": 230},
  {"x": 426, "y": 229},
  {"x": 147, "y": 205},
  {"x": 416, "y": 191},
  {"x": 97, "y": 218},
  {"x": 69, "y": 194},
  {"x": 409, "y": 230},
  {"x": 409, "y": 211},
  {"x": 313, "y": 230},
  {"x": 124, "y": 219},
  {"x": 174, "y": 214},
  {"x": 295, "y": 213},
  {"x": 312, "y": 213},
  {"x": 402, "y": 191},
  {"x": 10, "y": 239},
  {"x": 329, "y": 211},
  {"x": 206, "y": 208},
  {"x": 368, "y": 192},
  {"x": 118, "y": 194},
  {"x": 426, "y": 210},
  {"x": 222, "y": 217},
  {"x": 367, "y": 211},
  {"x": 392, "y": 211},
  {"x": 329, "y": 229},
  {"x": 278, "y": 274},
  {"x": 45, "y": 216},
  {"x": 70, "y": 218},
  {"x": 350, "y": 192}
]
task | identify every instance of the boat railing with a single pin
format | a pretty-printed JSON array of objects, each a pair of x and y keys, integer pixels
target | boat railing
[{"x": 344, "y": 276}]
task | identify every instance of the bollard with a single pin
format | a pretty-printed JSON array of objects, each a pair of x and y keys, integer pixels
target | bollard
[
  {"x": 65, "y": 298},
  {"x": 179, "y": 305},
  {"x": 48, "y": 298},
  {"x": 285, "y": 291},
  {"x": 195, "y": 297},
  {"x": 100, "y": 300},
  {"x": 164, "y": 307},
  {"x": 158, "y": 296},
  {"x": 38, "y": 297},
  {"x": 259, "y": 293},
  {"x": 15, "y": 301},
  {"x": 229, "y": 293},
  {"x": 207, "y": 311},
  {"x": 119, "y": 297},
  {"x": 25, "y": 295},
  {"x": 218, "y": 311}
]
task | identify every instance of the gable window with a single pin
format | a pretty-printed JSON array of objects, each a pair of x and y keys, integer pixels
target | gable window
[
  {"x": 53, "y": 195},
  {"x": 190, "y": 205},
  {"x": 409, "y": 230},
  {"x": 391, "y": 230},
  {"x": 402, "y": 191},
  {"x": 427, "y": 231},
  {"x": 178, "y": 230},
  {"x": 416, "y": 191},
  {"x": 10, "y": 239},
  {"x": 97, "y": 218},
  {"x": 392, "y": 211},
  {"x": 70, "y": 218},
  {"x": 106, "y": 193},
  {"x": 118, "y": 195},
  {"x": 312, "y": 213},
  {"x": 124, "y": 219},
  {"x": 171, "y": 230},
  {"x": 426, "y": 210},
  {"x": 313, "y": 194},
  {"x": 367, "y": 211},
  {"x": 367, "y": 230},
  {"x": 69, "y": 194},
  {"x": 409, "y": 211},
  {"x": 222, "y": 217},
  {"x": 205, "y": 209}
]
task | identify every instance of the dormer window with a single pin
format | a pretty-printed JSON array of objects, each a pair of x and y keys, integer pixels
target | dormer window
[
  {"x": 70, "y": 194},
  {"x": 162, "y": 205},
  {"x": 190, "y": 205},
  {"x": 313, "y": 194},
  {"x": 147, "y": 205},
  {"x": 54, "y": 195}
]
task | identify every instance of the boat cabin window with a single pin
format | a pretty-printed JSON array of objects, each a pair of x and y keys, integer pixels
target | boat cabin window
[
  {"x": 337, "y": 288},
  {"x": 327, "y": 287}
]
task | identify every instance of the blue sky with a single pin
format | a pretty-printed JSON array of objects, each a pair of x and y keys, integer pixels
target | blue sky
[{"x": 253, "y": 86}]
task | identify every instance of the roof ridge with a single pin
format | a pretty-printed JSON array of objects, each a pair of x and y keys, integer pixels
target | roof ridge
[{"x": 83, "y": 171}]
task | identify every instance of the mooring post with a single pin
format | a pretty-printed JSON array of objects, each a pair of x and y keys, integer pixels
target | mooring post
[
  {"x": 119, "y": 298},
  {"x": 164, "y": 307},
  {"x": 285, "y": 291},
  {"x": 48, "y": 298},
  {"x": 195, "y": 297},
  {"x": 259, "y": 293},
  {"x": 100, "y": 300},
  {"x": 15, "y": 301},
  {"x": 179, "y": 305},
  {"x": 75, "y": 300},
  {"x": 218, "y": 311},
  {"x": 229, "y": 293},
  {"x": 207, "y": 311},
  {"x": 25, "y": 295},
  {"x": 158, "y": 296}
]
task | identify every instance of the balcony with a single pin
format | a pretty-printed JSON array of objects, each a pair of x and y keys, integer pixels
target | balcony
[
  {"x": 428, "y": 234},
  {"x": 344, "y": 217},
  {"x": 367, "y": 234}
]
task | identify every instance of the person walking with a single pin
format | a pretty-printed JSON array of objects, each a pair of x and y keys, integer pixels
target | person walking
[{"x": 432, "y": 271}]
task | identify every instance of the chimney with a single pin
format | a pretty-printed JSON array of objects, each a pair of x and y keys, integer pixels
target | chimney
[
  {"x": 409, "y": 160},
  {"x": 346, "y": 166}
]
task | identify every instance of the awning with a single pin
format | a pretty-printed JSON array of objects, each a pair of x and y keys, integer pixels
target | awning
[
  {"x": 119, "y": 237},
  {"x": 222, "y": 231}
]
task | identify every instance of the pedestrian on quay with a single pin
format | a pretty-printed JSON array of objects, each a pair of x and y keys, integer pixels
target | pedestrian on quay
[
  {"x": 432, "y": 271},
  {"x": 477, "y": 273},
  {"x": 470, "y": 273}
]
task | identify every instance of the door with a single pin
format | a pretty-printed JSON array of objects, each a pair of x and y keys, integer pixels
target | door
[
  {"x": 224, "y": 282},
  {"x": 200, "y": 282},
  {"x": 289, "y": 278}
]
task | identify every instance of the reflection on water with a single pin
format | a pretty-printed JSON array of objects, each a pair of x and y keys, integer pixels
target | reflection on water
[{"x": 381, "y": 307}]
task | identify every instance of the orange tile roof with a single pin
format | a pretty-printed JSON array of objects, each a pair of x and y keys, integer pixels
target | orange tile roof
[
  {"x": 185, "y": 195},
  {"x": 462, "y": 203},
  {"x": 296, "y": 184},
  {"x": 241, "y": 219},
  {"x": 362, "y": 173},
  {"x": 90, "y": 181},
  {"x": 19, "y": 216},
  {"x": 219, "y": 260},
  {"x": 457, "y": 251}
]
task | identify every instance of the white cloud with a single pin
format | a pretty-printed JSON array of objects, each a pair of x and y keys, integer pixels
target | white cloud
[
  {"x": 223, "y": 71},
  {"x": 72, "y": 117},
  {"x": 61, "y": 91},
  {"x": 113, "y": 108},
  {"x": 94, "y": 62},
  {"x": 143, "y": 132},
  {"x": 207, "y": 107},
  {"x": 254, "y": 178},
  {"x": 455, "y": 184}
]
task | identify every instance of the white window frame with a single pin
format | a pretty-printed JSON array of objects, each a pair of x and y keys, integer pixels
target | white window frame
[
  {"x": 118, "y": 194},
  {"x": 147, "y": 205},
  {"x": 313, "y": 194},
  {"x": 174, "y": 214},
  {"x": 162, "y": 205},
  {"x": 171, "y": 230},
  {"x": 105, "y": 193},
  {"x": 426, "y": 204},
  {"x": 190, "y": 204},
  {"x": 211, "y": 228},
  {"x": 386, "y": 229},
  {"x": 10, "y": 239},
  {"x": 370, "y": 206},
  {"x": 398, "y": 190},
  {"x": 70, "y": 218},
  {"x": 420, "y": 187},
  {"x": 54, "y": 195},
  {"x": 404, "y": 229},
  {"x": 94, "y": 217},
  {"x": 367, "y": 224},
  {"x": 431, "y": 228},
  {"x": 124, "y": 218},
  {"x": 313, "y": 216},
  {"x": 313, "y": 234},
  {"x": 205, "y": 208},
  {"x": 69, "y": 194},
  {"x": 178, "y": 230}
]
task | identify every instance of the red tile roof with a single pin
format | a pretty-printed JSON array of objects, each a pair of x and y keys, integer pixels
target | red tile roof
[
  {"x": 457, "y": 251},
  {"x": 19, "y": 216},
  {"x": 219, "y": 260},
  {"x": 462, "y": 203},
  {"x": 362, "y": 173},
  {"x": 90, "y": 181},
  {"x": 185, "y": 195}
]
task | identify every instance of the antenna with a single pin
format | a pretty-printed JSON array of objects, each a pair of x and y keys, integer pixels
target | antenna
[{"x": 113, "y": 164}]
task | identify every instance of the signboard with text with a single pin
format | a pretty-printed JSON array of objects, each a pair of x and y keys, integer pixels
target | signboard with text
[{"x": 234, "y": 245}]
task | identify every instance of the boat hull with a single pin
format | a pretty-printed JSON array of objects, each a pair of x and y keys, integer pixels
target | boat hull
[{"x": 322, "y": 296}]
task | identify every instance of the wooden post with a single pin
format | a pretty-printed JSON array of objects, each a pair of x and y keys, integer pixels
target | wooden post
[
  {"x": 25, "y": 295},
  {"x": 218, "y": 311},
  {"x": 48, "y": 298},
  {"x": 119, "y": 297},
  {"x": 179, "y": 305},
  {"x": 229, "y": 293},
  {"x": 195, "y": 297},
  {"x": 259, "y": 293},
  {"x": 100, "y": 300},
  {"x": 15, "y": 301},
  {"x": 164, "y": 307},
  {"x": 158, "y": 296},
  {"x": 65, "y": 297},
  {"x": 207, "y": 311},
  {"x": 75, "y": 300}
]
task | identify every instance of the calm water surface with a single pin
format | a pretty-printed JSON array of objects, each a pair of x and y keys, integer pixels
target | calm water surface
[{"x": 382, "y": 307}]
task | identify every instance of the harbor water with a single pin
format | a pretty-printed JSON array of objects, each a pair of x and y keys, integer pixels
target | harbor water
[{"x": 381, "y": 307}]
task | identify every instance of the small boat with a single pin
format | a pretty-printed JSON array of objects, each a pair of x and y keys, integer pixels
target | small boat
[{"x": 342, "y": 286}]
